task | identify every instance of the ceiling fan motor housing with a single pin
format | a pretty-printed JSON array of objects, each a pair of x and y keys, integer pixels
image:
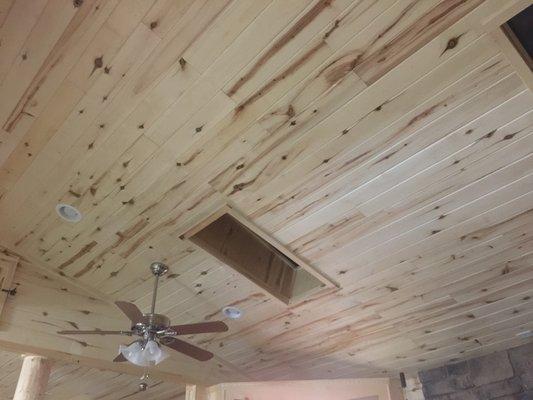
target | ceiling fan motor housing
[{"x": 151, "y": 323}]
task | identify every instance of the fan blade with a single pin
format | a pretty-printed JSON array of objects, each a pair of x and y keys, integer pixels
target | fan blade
[
  {"x": 201, "y": 327},
  {"x": 95, "y": 332},
  {"x": 131, "y": 310},
  {"x": 119, "y": 358},
  {"x": 189, "y": 349}
]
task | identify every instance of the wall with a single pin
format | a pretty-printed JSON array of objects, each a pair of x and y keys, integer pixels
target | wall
[
  {"x": 506, "y": 375},
  {"x": 333, "y": 389}
]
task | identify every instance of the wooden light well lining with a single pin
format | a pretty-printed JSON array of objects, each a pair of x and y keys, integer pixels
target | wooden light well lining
[
  {"x": 518, "y": 31},
  {"x": 242, "y": 246}
]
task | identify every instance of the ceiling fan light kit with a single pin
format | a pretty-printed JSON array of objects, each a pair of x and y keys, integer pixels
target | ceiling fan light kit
[
  {"x": 143, "y": 354},
  {"x": 155, "y": 331}
]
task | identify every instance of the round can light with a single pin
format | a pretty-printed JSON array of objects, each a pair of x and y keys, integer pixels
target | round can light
[
  {"x": 68, "y": 212},
  {"x": 232, "y": 312}
]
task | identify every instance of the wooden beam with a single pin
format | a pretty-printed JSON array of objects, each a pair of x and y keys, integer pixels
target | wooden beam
[
  {"x": 124, "y": 368},
  {"x": 33, "y": 378}
]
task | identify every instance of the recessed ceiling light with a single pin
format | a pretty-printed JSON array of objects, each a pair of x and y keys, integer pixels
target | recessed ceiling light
[
  {"x": 232, "y": 312},
  {"x": 68, "y": 212}
]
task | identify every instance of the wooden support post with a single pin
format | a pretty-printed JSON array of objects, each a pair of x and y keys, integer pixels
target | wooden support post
[
  {"x": 195, "y": 392},
  {"x": 33, "y": 378}
]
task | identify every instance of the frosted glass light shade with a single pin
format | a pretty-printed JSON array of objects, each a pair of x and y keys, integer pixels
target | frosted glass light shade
[{"x": 151, "y": 354}]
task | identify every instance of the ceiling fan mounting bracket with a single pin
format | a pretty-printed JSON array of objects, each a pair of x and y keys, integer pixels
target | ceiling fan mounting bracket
[{"x": 158, "y": 268}]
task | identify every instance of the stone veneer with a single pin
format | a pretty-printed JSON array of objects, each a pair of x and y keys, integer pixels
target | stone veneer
[{"x": 506, "y": 375}]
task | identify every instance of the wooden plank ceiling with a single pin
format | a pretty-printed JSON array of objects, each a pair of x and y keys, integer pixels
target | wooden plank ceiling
[
  {"x": 387, "y": 143},
  {"x": 73, "y": 382}
]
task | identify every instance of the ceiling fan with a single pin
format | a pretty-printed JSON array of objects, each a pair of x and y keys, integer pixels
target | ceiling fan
[{"x": 155, "y": 330}]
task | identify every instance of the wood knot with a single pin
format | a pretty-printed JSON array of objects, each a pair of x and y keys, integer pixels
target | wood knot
[
  {"x": 452, "y": 43},
  {"x": 77, "y": 3},
  {"x": 99, "y": 62}
]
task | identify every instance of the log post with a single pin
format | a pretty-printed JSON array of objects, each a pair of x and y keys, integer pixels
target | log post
[
  {"x": 195, "y": 392},
  {"x": 33, "y": 378}
]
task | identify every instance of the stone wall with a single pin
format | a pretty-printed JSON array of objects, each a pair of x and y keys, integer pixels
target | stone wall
[{"x": 506, "y": 375}]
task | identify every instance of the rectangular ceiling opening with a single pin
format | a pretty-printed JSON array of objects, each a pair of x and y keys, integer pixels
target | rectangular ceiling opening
[
  {"x": 518, "y": 31},
  {"x": 245, "y": 249}
]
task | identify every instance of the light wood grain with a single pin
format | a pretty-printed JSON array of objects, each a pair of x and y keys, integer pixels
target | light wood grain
[{"x": 385, "y": 144}]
